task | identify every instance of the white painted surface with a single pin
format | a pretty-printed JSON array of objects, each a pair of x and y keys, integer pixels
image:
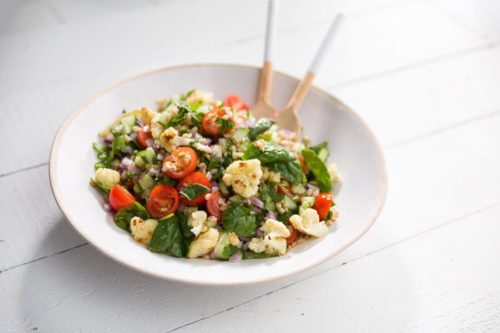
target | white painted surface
[{"x": 424, "y": 74}]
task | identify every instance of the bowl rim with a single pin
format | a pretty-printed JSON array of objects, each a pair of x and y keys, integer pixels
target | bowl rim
[{"x": 53, "y": 158}]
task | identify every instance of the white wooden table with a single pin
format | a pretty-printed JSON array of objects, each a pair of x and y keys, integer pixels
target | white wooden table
[{"x": 425, "y": 75}]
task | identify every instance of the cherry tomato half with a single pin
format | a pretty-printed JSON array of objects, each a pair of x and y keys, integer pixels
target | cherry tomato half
[
  {"x": 213, "y": 205},
  {"x": 162, "y": 201},
  {"x": 294, "y": 234},
  {"x": 180, "y": 163},
  {"x": 209, "y": 122},
  {"x": 120, "y": 198},
  {"x": 194, "y": 178},
  {"x": 235, "y": 102},
  {"x": 142, "y": 138},
  {"x": 322, "y": 204}
]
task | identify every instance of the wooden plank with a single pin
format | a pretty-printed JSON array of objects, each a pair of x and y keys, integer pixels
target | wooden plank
[
  {"x": 480, "y": 16},
  {"x": 432, "y": 283},
  {"x": 427, "y": 98},
  {"x": 71, "y": 81}
]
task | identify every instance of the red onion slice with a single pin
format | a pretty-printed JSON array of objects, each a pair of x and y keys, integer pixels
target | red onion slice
[
  {"x": 236, "y": 257},
  {"x": 257, "y": 202}
]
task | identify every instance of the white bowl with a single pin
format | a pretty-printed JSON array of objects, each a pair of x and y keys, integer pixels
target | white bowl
[{"x": 354, "y": 149}]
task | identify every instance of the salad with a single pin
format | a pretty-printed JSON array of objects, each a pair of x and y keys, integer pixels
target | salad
[{"x": 199, "y": 178}]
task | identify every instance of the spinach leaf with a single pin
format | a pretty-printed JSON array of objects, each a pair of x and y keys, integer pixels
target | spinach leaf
[
  {"x": 240, "y": 220},
  {"x": 278, "y": 159},
  {"x": 318, "y": 169},
  {"x": 321, "y": 150},
  {"x": 185, "y": 229},
  {"x": 224, "y": 124},
  {"x": 193, "y": 191},
  {"x": 254, "y": 255},
  {"x": 268, "y": 154},
  {"x": 262, "y": 125},
  {"x": 291, "y": 171},
  {"x": 124, "y": 215},
  {"x": 168, "y": 237},
  {"x": 285, "y": 217}
]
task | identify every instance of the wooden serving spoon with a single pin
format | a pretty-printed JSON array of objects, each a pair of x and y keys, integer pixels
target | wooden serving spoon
[
  {"x": 263, "y": 107},
  {"x": 287, "y": 118}
]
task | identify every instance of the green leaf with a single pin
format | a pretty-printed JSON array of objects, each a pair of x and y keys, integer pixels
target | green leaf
[
  {"x": 168, "y": 237},
  {"x": 278, "y": 159},
  {"x": 291, "y": 171},
  {"x": 318, "y": 169},
  {"x": 124, "y": 215},
  {"x": 247, "y": 255},
  {"x": 270, "y": 196},
  {"x": 268, "y": 154},
  {"x": 262, "y": 125},
  {"x": 103, "y": 189},
  {"x": 180, "y": 116},
  {"x": 185, "y": 229},
  {"x": 224, "y": 124},
  {"x": 215, "y": 163},
  {"x": 229, "y": 251},
  {"x": 239, "y": 219},
  {"x": 193, "y": 191}
]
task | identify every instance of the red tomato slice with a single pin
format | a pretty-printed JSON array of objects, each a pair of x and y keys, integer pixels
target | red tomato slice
[
  {"x": 194, "y": 178},
  {"x": 208, "y": 122},
  {"x": 142, "y": 138},
  {"x": 180, "y": 163},
  {"x": 322, "y": 204},
  {"x": 162, "y": 201},
  {"x": 120, "y": 198},
  {"x": 235, "y": 102},
  {"x": 294, "y": 234},
  {"x": 213, "y": 205}
]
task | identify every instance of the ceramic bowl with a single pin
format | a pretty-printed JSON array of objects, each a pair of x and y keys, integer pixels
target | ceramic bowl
[{"x": 353, "y": 146}]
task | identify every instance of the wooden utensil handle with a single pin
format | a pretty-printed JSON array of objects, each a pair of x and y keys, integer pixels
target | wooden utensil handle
[
  {"x": 301, "y": 91},
  {"x": 266, "y": 81}
]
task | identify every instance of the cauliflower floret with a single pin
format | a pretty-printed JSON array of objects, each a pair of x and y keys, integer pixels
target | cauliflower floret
[
  {"x": 141, "y": 230},
  {"x": 170, "y": 139},
  {"x": 199, "y": 95},
  {"x": 233, "y": 238},
  {"x": 203, "y": 244},
  {"x": 198, "y": 222},
  {"x": 334, "y": 173},
  {"x": 244, "y": 177},
  {"x": 308, "y": 223},
  {"x": 274, "y": 240},
  {"x": 107, "y": 177}
]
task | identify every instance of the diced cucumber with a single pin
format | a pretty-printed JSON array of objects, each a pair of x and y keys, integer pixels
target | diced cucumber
[
  {"x": 289, "y": 203},
  {"x": 240, "y": 134},
  {"x": 223, "y": 188},
  {"x": 222, "y": 243},
  {"x": 128, "y": 122},
  {"x": 147, "y": 155},
  {"x": 146, "y": 181},
  {"x": 307, "y": 202},
  {"x": 323, "y": 154}
]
